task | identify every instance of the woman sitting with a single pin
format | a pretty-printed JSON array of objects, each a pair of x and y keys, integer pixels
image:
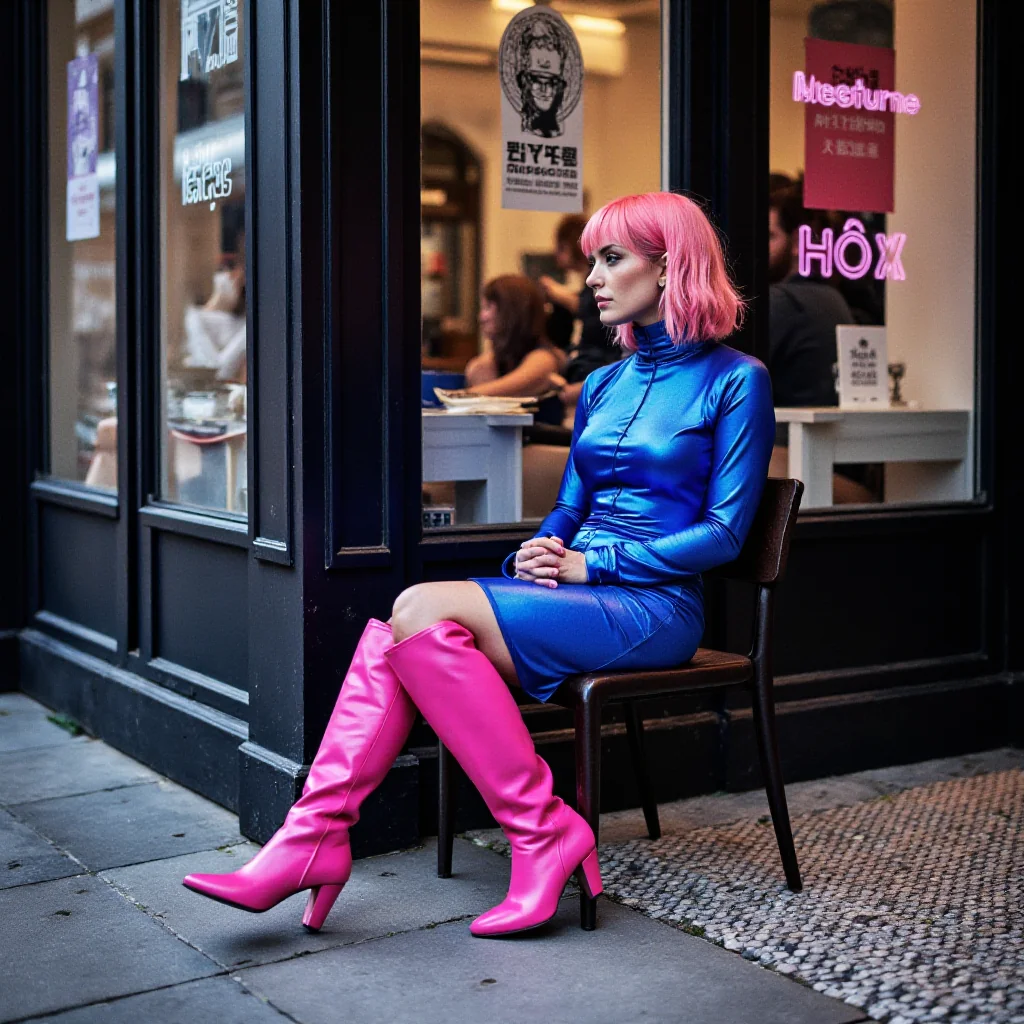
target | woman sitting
[{"x": 520, "y": 360}]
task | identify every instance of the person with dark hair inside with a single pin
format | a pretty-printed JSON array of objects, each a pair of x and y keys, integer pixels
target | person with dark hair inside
[
  {"x": 803, "y": 311},
  {"x": 521, "y": 359},
  {"x": 595, "y": 347}
]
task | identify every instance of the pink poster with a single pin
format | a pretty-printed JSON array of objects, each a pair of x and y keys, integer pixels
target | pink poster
[{"x": 849, "y": 148}]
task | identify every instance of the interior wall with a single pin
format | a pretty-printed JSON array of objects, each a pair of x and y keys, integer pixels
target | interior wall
[
  {"x": 786, "y": 138},
  {"x": 931, "y": 315}
]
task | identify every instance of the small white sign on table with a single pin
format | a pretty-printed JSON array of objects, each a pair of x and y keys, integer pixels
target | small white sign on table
[{"x": 863, "y": 367}]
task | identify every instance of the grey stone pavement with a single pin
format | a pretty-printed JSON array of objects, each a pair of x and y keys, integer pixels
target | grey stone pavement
[{"x": 95, "y": 925}]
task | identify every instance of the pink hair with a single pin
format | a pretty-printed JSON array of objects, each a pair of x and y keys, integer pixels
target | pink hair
[{"x": 698, "y": 302}]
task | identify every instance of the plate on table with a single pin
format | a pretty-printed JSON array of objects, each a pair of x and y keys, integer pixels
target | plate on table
[{"x": 462, "y": 401}]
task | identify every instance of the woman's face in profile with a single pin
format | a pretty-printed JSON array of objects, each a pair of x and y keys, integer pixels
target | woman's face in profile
[
  {"x": 488, "y": 318},
  {"x": 625, "y": 286}
]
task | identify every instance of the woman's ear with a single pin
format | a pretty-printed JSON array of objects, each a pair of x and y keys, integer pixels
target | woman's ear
[{"x": 662, "y": 264}]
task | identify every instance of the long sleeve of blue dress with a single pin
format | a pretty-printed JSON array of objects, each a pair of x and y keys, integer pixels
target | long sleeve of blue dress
[
  {"x": 739, "y": 405},
  {"x": 739, "y": 465},
  {"x": 669, "y": 455}
]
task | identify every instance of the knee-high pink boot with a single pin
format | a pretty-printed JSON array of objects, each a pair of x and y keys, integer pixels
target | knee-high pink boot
[
  {"x": 468, "y": 705},
  {"x": 367, "y": 731}
]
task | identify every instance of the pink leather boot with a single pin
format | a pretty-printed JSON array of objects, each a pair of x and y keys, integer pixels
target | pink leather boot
[
  {"x": 367, "y": 731},
  {"x": 470, "y": 708}
]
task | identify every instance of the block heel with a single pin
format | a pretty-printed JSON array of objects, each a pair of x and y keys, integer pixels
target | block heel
[
  {"x": 318, "y": 906},
  {"x": 588, "y": 874}
]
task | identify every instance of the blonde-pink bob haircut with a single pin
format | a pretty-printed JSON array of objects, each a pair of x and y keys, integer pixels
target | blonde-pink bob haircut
[{"x": 698, "y": 302}]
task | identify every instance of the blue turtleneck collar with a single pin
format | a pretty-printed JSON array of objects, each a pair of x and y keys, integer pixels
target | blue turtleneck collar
[{"x": 656, "y": 344}]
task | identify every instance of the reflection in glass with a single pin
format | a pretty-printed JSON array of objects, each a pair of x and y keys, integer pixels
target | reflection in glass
[
  {"x": 203, "y": 259},
  {"x": 82, "y": 306},
  {"x": 479, "y": 467}
]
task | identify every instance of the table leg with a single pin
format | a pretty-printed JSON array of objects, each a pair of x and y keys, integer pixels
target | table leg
[
  {"x": 505, "y": 476},
  {"x": 811, "y": 458}
]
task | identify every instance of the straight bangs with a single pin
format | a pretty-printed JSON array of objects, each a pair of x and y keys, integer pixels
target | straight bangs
[{"x": 698, "y": 302}]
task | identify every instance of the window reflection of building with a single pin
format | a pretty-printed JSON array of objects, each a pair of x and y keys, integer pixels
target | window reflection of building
[
  {"x": 82, "y": 313},
  {"x": 929, "y": 317},
  {"x": 449, "y": 248},
  {"x": 461, "y": 121},
  {"x": 203, "y": 337}
]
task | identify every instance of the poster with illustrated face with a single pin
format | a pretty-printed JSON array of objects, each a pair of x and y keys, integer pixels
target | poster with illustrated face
[
  {"x": 540, "y": 68},
  {"x": 83, "y": 190}
]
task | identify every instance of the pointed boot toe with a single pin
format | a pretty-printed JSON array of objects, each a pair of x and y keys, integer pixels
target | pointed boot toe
[{"x": 229, "y": 889}]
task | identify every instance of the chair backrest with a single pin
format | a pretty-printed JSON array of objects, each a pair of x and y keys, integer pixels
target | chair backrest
[{"x": 763, "y": 558}]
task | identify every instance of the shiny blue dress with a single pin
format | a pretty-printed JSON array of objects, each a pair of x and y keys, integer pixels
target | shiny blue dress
[{"x": 669, "y": 455}]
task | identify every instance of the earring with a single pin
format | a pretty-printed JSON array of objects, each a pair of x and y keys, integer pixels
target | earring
[{"x": 662, "y": 281}]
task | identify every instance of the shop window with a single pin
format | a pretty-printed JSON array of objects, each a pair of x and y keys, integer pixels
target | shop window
[
  {"x": 582, "y": 96},
  {"x": 203, "y": 255},
  {"x": 82, "y": 266},
  {"x": 871, "y": 248}
]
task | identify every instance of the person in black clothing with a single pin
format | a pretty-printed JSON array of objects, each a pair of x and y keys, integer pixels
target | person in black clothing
[
  {"x": 595, "y": 347},
  {"x": 803, "y": 313}
]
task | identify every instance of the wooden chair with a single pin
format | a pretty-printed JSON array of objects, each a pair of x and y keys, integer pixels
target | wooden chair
[{"x": 762, "y": 563}]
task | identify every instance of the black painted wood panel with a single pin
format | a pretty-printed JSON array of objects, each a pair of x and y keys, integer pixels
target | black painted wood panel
[
  {"x": 200, "y": 607},
  {"x": 882, "y": 598},
  {"x": 78, "y": 567}
]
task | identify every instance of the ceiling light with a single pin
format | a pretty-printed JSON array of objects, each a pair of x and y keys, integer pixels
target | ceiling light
[
  {"x": 511, "y": 6},
  {"x": 597, "y": 26}
]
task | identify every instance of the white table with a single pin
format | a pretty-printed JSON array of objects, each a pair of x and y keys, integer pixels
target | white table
[
  {"x": 483, "y": 454},
  {"x": 821, "y": 437}
]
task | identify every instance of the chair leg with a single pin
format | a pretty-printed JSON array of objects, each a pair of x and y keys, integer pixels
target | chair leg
[
  {"x": 448, "y": 804},
  {"x": 588, "y": 785},
  {"x": 771, "y": 770},
  {"x": 635, "y": 735}
]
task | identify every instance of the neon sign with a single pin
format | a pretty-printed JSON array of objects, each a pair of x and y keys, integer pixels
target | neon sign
[
  {"x": 853, "y": 242},
  {"x": 857, "y": 95}
]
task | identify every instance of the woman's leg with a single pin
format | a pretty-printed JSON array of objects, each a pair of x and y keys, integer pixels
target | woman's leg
[
  {"x": 367, "y": 730},
  {"x": 465, "y": 700},
  {"x": 426, "y": 604}
]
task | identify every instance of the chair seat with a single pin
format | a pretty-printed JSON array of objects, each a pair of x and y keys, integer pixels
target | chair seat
[{"x": 705, "y": 669}]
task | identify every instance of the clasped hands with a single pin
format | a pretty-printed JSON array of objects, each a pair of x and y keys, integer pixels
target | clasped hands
[{"x": 547, "y": 562}]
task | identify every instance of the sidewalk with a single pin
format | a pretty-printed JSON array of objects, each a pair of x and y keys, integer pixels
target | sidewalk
[{"x": 96, "y": 927}]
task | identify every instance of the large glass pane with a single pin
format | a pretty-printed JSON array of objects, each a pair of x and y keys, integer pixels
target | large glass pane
[
  {"x": 872, "y": 252},
  {"x": 202, "y": 257},
  {"x": 501, "y": 272},
  {"x": 82, "y": 263}
]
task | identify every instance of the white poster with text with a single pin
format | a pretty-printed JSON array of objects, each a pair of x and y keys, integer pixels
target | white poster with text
[
  {"x": 863, "y": 367},
  {"x": 541, "y": 72}
]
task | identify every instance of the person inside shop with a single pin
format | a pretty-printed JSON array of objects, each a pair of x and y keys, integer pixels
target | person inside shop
[
  {"x": 594, "y": 346},
  {"x": 612, "y": 578},
  {"x": 520, "y": 359},
  {"x": 803, "y": 313},
  {"x": 215, "y": 331}
]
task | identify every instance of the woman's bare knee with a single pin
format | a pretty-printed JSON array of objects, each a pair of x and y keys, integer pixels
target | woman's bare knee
[{"x": 411, "y": 612}]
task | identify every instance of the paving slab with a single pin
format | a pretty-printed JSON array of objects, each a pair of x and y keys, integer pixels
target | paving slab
[
  {"x": 210, "y": 1001},
  {"x": 630, "y": 969},
  {"x": 76, "y": 941},
  {"x": 83, "y": 767},
  {"x": 26, "y": 857},
  {"x": 115, "y": 827},
  {"x": 14, "y": 703},
  {"x": 387, "y": 894},
  {"x": 26, "y": 731}
]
